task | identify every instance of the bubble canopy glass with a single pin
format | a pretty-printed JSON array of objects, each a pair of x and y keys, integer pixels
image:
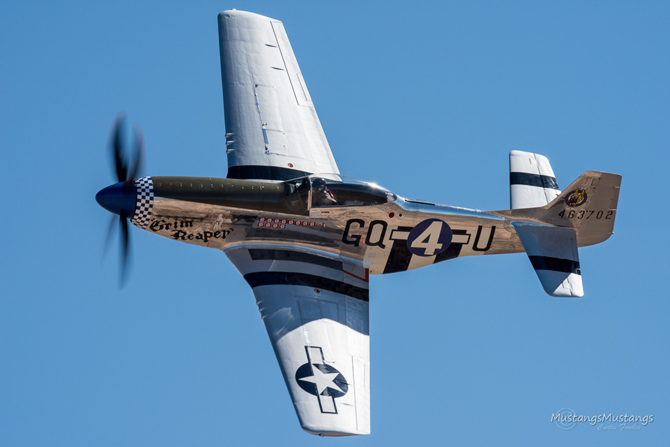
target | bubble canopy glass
[{"x": 333, "y": 190}]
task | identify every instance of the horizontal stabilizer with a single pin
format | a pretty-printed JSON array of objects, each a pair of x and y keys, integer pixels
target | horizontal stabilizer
[{"x": 555, "y": 258}]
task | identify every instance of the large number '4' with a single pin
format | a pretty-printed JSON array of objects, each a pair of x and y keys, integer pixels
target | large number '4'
[{"x": 429, "y": 239}]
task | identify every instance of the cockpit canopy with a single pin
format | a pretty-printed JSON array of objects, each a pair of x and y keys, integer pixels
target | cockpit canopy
[{"x": 333, "y": 190}]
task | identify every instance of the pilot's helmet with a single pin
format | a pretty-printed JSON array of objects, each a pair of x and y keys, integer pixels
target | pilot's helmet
[{"x": 319, "y": 183}]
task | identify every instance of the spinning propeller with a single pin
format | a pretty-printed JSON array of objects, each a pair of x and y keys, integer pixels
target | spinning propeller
[{"x": 121, "y": 197}]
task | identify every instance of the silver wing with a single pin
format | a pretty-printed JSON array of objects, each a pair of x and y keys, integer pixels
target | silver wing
[
  {"x": 272, "y": 129},
  {"x": 315, "y": 309}
]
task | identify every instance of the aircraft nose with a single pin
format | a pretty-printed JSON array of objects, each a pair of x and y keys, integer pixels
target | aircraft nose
[{"x": 118, "y": 199}]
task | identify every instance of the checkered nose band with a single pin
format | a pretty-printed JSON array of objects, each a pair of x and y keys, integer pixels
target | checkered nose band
[{"x": 145, "y": 202}]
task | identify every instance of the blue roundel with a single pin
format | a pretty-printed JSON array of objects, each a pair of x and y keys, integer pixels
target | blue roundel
[{"x": 429, "y": 238}]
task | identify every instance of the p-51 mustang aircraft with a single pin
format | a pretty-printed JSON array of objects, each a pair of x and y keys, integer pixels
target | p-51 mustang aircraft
[{"x": 306, "y": 238}]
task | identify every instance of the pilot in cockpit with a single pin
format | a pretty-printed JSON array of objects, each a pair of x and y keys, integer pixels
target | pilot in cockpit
[{"x": 321, "y": 194}]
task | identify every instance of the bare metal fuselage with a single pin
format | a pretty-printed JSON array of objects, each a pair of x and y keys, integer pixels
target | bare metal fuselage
[{"x": 226, "y": 213}]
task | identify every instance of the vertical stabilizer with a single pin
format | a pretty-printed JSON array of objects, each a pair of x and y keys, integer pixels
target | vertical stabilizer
[{"x": 532, "y": 181}]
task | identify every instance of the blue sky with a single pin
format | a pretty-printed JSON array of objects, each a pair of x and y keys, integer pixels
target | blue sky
[{"x": 426, "y": 100}]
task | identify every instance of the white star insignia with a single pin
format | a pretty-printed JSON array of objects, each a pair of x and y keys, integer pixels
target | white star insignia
[{"x": 322, "y": 380}]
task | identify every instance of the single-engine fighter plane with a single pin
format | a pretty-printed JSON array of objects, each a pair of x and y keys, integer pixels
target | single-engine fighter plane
[{"x": 306, "y": 238}]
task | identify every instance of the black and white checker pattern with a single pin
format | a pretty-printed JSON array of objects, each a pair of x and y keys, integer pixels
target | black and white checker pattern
[{"x": 145, "y": 202}]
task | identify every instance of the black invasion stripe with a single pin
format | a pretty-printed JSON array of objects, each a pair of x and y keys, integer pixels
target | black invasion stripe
[
  {"x": 400, "y": 256},
  {"x": 555, "y": 264},
  {"x": 264, "y": 173},
  {"x": 453, "y": 250},
  {"x": 258, "y": 279},
  {"x": 523, "y": 178},
  {"x": 262, "y": 254}
]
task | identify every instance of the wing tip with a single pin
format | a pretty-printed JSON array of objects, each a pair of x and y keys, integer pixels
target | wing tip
[
  {"x": 234, "y": 13},
  {"x": 559, "y": 285},
  {"x": 334, "y": 434}
]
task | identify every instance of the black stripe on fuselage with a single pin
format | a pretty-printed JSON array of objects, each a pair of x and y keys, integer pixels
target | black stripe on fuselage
[
  {"x": 263, "y": 254},
  {"x": 523, "y": 178},
  {"x": 453, "y": 250},
  {"x": 555, "y": 264},
  {"x": 400, "y": 256},
  {"x": 264, "y": 173},
  {"x": 258, "y": 279}
]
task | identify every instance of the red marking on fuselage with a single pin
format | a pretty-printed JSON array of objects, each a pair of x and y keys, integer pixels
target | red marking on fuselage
[{"x": 367, "y": 275}]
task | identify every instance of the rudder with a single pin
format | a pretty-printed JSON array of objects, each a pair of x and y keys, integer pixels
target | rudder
[{"x": 588, "y": 205}]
